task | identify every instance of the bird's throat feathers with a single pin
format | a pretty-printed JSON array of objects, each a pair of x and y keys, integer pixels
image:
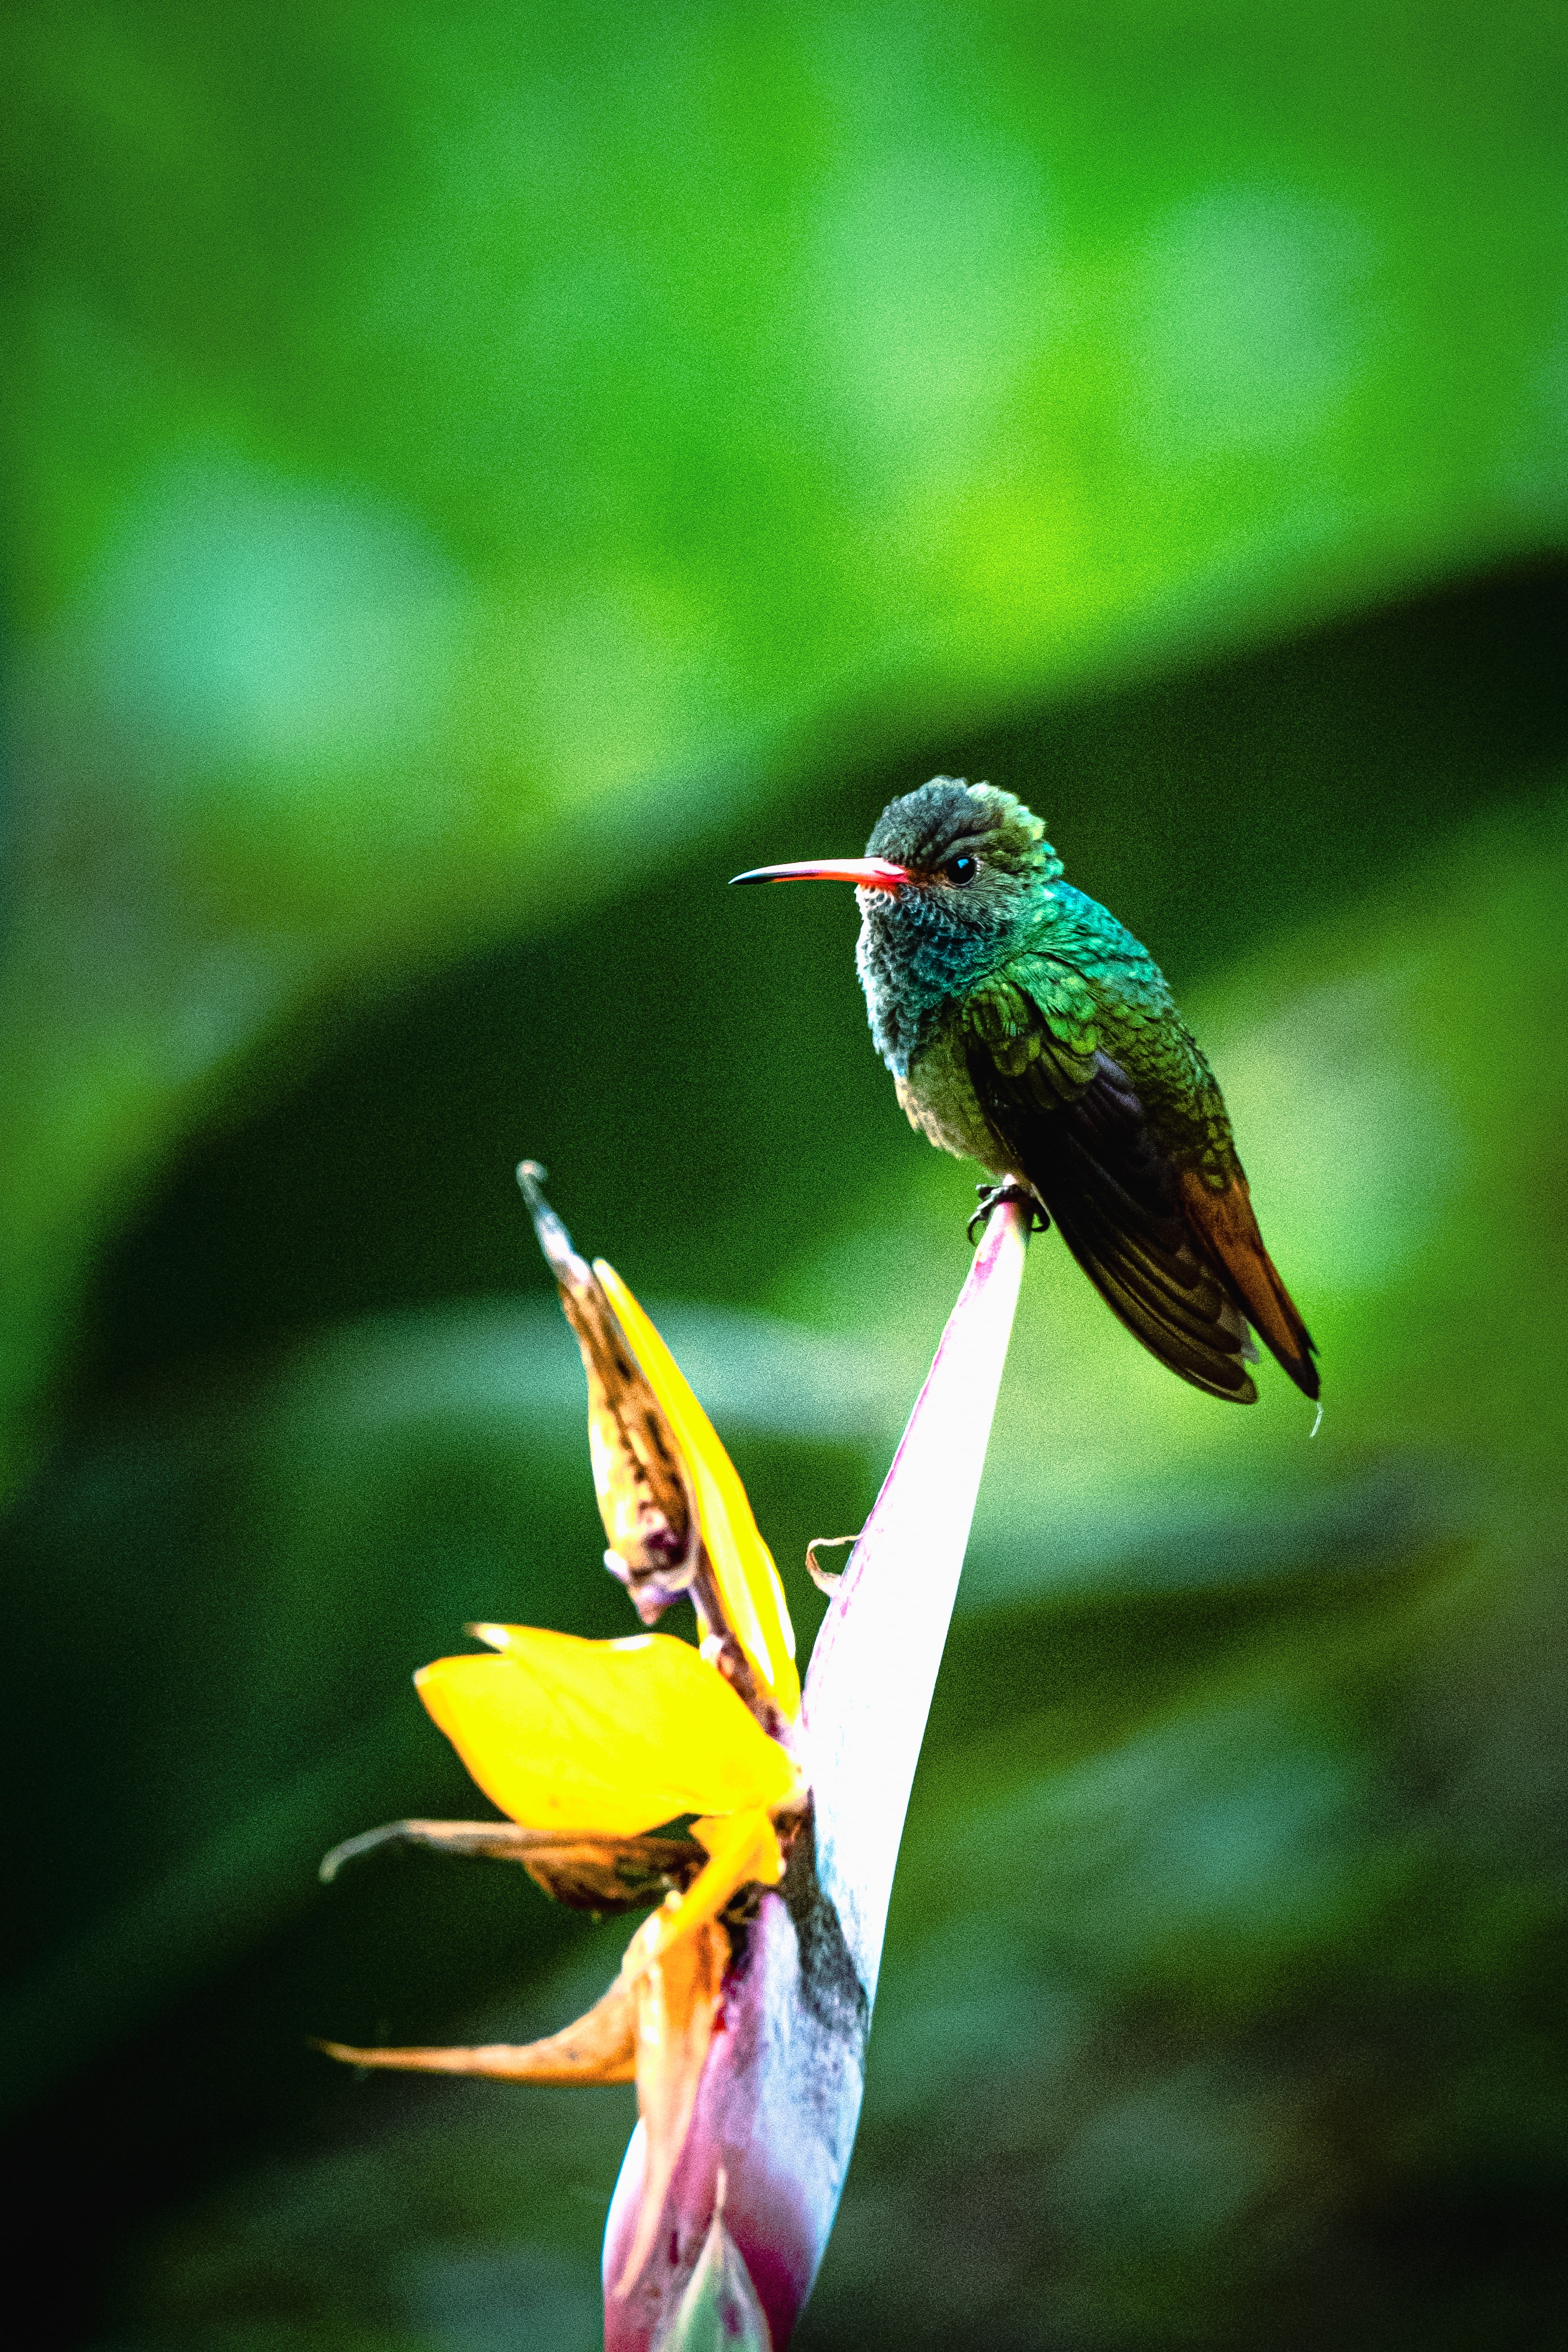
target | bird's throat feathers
[{"x": 934, "y": 940}]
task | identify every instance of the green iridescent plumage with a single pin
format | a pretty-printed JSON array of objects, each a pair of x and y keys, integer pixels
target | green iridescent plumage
[{"x": 1027, "y": 1029}]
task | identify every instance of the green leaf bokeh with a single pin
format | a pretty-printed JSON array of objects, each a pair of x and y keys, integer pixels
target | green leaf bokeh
[{"x": 480, "y": 477}]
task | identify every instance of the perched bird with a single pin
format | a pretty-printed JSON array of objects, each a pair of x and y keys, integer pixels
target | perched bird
[{"x": 1025, "y": 1028}]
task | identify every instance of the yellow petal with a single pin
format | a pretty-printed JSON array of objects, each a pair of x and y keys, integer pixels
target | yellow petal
[
  {"x": 606, "y": 1736},
  {"x": 600, "y": 2047},
  {"x": 744, "y": 1852},
  {"x": 744, "y": 1566},
  {"x": 676, "y": 1995}
]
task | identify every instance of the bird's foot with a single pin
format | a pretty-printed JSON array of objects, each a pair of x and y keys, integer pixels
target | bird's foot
[{"x": 991, "y": 1196}]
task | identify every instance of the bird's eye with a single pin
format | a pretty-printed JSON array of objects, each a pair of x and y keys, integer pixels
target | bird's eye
[{"x": 961, "y": 869}]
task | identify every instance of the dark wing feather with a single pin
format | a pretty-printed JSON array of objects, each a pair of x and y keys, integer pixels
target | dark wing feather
[{"x": 1074, "y": 1126}]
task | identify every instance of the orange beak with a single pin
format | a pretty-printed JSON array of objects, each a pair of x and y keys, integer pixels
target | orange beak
[{"x": 870, "y": 873}]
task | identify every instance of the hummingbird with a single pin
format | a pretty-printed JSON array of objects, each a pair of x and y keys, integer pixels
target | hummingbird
[{"x": 1026, "y": 1028}]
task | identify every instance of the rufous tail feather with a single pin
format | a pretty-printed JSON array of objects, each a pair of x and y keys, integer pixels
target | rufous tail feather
[{"x": 1225, "y": 1225}]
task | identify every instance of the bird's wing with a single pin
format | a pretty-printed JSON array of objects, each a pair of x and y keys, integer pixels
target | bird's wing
[
  {"x": 1039, "y": 1026},
  {"x": 1070, "y": 1118}
]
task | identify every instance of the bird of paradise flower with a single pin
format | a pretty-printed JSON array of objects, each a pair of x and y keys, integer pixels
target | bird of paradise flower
[{"x": 743, "y": 2001}]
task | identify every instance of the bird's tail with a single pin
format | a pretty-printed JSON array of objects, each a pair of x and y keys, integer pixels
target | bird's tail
[{"x": 1228, "y": 1227}]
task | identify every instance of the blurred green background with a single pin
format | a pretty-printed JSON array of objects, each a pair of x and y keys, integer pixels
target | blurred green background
[{"x": 479, "y": 475}]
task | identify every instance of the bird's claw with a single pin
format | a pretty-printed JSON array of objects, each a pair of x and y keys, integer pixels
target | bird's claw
[{"x": 991, "y": 1196}]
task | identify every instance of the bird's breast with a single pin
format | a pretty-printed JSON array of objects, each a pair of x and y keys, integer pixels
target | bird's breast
[{"x": 938, "y": 1099}]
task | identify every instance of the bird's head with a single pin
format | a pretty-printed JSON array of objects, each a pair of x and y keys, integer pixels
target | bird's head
[{"x": 949, "y": 871}]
